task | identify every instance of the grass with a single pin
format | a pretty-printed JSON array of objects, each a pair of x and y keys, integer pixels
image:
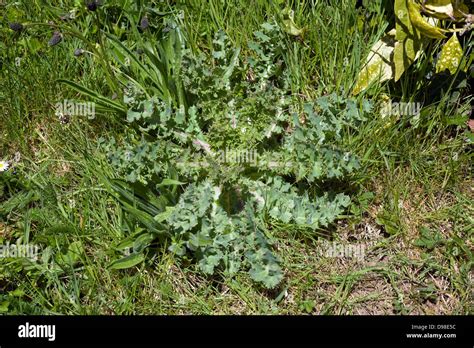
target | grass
[{"x": 420, "y": 179}]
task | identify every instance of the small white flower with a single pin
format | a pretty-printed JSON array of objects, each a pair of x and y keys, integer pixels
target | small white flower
[
  {"x": 4, "y": 166},
  {"x": 217, "y": 192}
]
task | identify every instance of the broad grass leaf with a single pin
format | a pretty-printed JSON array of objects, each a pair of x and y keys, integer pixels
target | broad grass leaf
[
  {"x": 128, "y": 261},
  {"x": 451, "y": 56},
  {"x": 170, "y": 182},
  {"x": 106, "y": 103},
  {"x": 143, "y": 241}
]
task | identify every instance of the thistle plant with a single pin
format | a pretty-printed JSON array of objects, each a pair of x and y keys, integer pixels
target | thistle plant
[{"x": 196, "y": 105}]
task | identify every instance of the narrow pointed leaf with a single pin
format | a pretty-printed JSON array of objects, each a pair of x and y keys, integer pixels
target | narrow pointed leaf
[{"x": 128, "y": 261}]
